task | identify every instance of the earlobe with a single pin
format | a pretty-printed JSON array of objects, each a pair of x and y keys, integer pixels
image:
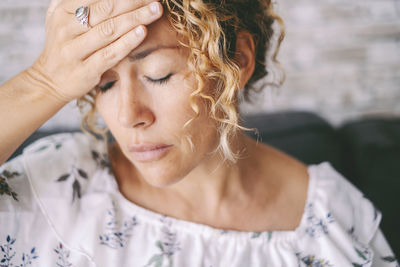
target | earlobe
[{"x": 245, "y": 56}]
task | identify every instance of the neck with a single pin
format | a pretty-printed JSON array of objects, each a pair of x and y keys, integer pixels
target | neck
[
  {"x": 208, "y": 189},
  {"x": 216, "y": 182}
]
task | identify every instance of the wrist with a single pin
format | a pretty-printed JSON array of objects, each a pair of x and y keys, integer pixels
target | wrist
[{"x": 43, "y": 84}]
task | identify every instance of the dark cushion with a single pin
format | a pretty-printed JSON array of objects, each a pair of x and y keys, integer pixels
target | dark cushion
[
  {"x": 303, "y": 135},
  {"x": 373, "y": 161}
]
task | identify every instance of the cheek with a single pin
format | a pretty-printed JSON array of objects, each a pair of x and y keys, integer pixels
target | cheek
[{"x": 107, "y": 107}]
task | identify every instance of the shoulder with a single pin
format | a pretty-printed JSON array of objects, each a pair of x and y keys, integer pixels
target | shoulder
[
  {"x": 14, "y": 189},
  {"x": 63, "y": 159},
  {"x": 346, "y": 205},
  {"x": 75, "y": 144},
  {"x": 54, "y": 158}
]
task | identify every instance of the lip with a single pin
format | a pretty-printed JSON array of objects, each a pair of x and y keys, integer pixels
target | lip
[{"x": 149, "y": 152}]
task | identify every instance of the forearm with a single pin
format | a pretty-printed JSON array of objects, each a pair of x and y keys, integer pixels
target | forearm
[{"x": 26, "y": 102}]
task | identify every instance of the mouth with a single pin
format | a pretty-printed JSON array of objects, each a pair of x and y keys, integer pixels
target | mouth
[{"x": 149, "y": 153}]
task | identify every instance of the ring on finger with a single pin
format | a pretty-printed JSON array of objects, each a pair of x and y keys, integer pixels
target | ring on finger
[{"x": 82, "y": 15}]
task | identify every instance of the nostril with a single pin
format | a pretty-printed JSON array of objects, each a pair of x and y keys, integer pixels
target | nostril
[{"x": 140, "y": 124}]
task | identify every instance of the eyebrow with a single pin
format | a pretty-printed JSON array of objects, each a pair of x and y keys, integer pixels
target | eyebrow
[{"x": 141, "y": 55}]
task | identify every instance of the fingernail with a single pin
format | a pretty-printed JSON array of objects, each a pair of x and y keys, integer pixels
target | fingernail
[
  {"x": 154, "y": 8},
  {"x": 139, "y": 31}
]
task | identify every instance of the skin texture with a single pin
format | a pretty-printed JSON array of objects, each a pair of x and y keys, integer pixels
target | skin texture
[{"x": 265, "y": 185}]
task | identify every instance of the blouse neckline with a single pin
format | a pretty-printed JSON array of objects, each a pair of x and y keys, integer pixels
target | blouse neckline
[{"x": 155, "y": 218}]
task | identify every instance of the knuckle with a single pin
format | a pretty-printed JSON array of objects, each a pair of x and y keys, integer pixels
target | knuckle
[
  {"x": 108, "y": 54},
  {"x": 107, "y": 28},
  {"x": 105, "y": 7},
  {"x": 135, "y": 16}
]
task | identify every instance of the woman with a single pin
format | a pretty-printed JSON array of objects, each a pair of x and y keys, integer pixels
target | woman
[{"x": 184, "y": 186}]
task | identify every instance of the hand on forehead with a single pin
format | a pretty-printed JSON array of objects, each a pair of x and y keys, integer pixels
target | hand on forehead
[{"x": 100, "y": 10}]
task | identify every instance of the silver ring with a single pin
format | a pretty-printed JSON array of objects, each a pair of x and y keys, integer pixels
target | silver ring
[{"x": 82, "y": 15}]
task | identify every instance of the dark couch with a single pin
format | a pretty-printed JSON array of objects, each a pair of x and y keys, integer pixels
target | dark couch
[{"x": 367, "y": 152}]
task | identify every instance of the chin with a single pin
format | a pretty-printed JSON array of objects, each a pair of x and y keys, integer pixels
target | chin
[
  {"x": 161, "y": 179},
  {"x": 162, "y": 173}
]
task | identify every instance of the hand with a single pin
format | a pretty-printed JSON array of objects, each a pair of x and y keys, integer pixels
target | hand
[{"x": 74, "y": 56}]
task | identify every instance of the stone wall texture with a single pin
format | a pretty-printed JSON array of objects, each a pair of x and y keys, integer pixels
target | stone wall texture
[{"x": 342, "y": 57}]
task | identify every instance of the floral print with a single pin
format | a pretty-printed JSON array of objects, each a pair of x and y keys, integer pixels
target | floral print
[
  {"x": 363, "y": 252},
  {"x": 258, "y": 234},
  {"x": 317, "y": 226},
  {"x": 117, "y": 234},
  {"x": 391, "y": 259},
  {"x": 63, "y": 255},
  {"x": 168, "y": 245},
  {"x": 101, "y": 159},
  {"x": 52, "y": 141},
  {"x": 77, "y": 175},
  {"x": 142, "y": 241},
  {"x": 311, "y": 261},
  {"x": 4, "y": 187},
  {"x": 9, "y": 258}
]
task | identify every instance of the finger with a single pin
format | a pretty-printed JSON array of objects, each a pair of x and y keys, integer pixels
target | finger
[
  {"x": 70, "y": 24},
  {"x": 103, "y": 9},
  {"x": 112, "y": 29},
  {"x": 106, "y": 58}
]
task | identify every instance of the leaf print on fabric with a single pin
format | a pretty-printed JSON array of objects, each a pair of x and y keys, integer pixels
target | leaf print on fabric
[
  {"x": 5, "y": 189},
  {"x": 311, "y": 261},
  {"x": 168, "y": 245},
  {"x": 363, "y": 252},
  {"x": 117, "y": 234},
  {"x": 63, "y": 255},
  {"x": 77, "y": 175},
  {"x": 391, "y": 259},
  {"x": 8, "y": 258},
  {"x": 102, "y": 160},
  {"x": 317, "y": 226},
  {"x": 255, "y": 235},
  {"x": 52, "y": 142},
  {"x": 258, "y": 234}
]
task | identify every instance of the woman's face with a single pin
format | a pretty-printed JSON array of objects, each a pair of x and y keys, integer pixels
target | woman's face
[{"x": 148, "y": 104}]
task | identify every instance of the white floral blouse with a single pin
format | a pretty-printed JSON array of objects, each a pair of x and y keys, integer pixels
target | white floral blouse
[{"x": 60, "y": 206}]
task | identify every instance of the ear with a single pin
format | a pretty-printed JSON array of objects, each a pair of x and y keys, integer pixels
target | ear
[{"x": 245, "y": 56}]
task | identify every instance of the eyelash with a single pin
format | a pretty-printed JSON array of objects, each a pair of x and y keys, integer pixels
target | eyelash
[{"x": 160, "y": 81}]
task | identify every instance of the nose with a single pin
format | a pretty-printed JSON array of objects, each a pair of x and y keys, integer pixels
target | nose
[{"x": 133, "y": 112}]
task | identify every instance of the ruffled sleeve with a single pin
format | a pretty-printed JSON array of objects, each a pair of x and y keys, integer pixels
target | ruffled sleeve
[
  {"x": 383, "y": 254},
  {"x": 348, "y": 222},
  {"x": 15, "y": 196},
  {"x": 41, "y": 180},
  {"x": 352, "y": 209}
]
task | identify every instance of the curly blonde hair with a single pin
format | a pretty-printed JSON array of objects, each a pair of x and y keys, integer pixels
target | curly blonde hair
[{"x": 210, "y": 29}]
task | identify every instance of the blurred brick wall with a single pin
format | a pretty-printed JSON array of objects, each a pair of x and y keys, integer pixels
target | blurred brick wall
[{"x": 342, "y": 57}]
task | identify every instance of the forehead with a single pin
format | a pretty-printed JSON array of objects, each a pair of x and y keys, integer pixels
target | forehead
[{"x": 160, "y": 34}]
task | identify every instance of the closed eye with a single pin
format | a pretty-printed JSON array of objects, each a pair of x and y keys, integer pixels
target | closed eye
[
  {"x": 162, "y": 80},
  {"x": 106, "y": 86}
]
